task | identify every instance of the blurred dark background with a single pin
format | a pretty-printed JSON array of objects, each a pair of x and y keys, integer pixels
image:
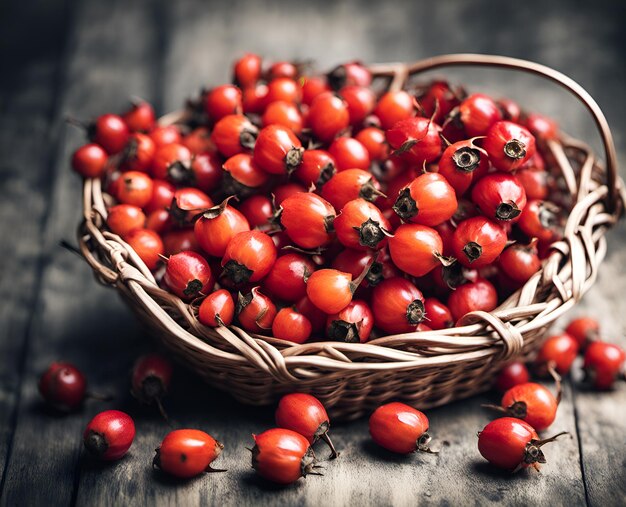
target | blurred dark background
[{"x": 87, "y": 57}]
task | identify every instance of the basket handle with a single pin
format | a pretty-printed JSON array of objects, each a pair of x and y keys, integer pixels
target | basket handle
[{"x": 401, "y": 71}]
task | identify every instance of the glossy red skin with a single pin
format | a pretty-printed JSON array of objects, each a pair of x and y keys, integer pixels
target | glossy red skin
[
  {"x": 90, "y": 160},
  {"x": 162, "y": 195},
  {"x": 390, "y": 300},
  {"x": 503, "y": 442},
  {"x": 317, "y": 167},
  {"x": 304, "y": 219},
  {"x": 489, "y": 235},
  {"x": 519, "y": 262},
  {"x": 328, "y": 116},
  {"x": 284, "y": 89},
  {"x": 375, "y": 142},
  {"x": 361, "y": 101},
  {"x": 561, "y": 349},
  {"x": 167, "y": 155},
  {"x": 540, "y": 404},
  {"x": 63, "y": 386},
  {"x": 199, "y": 141},
  {"x": 166, "y": 135},
  {"x": 330, "y": 290},
  {"x": 413, "y": 249},
  {"x": 511, "y": 375},
  {"x": 180, "y": 240},
  {"x": 227, "y": 133},
  {"x": 498, "y": 135},
  {"x": 346, "y": 186},
  {"x": 349, "y": 153},
  {"x": 272, "y": 146},
  {"x": 148, "y": 245},
  {"x": 124, "y": 218},
  {"x": 206, "y": 171},
  {"x": 285, "y": 114},
  {"x": 258, "y": 315},
  {"x": 184, "y": 268},
  {"x": 247, "y": 70},
  {"x": 534, "y": 181},
  {"x": 291, "y": 325},
  {"x": 286, "y": 279},
  {"x": 428, "y": 147},
  {"x": 188, "y": 202},
  {"x": 151, "y": 367},
  {"x": 510, "y": 110},
  {"x": 584, "y": 330},
  {"x": 223, "y": 100},
  {"x": 140, "y": 117},
  {"x": 478, "y": 113},
  {"x": 495, "y": 189},
  {"x": 316, "y": 316},
  {"x": 603, "y": 363},
  {"x": 458, "y": 178},
  {"x": 312, "y": 87},
  {"x": 219, "y": 303},
  {"x": 283, "y": 69},
  {"x": 542, "y": 127},
  {"x": 138, "y": 153},
  {"x": 435, "y": 199},
  {"x": 258, "y": 210},
  {"x": 254, "y": 99},
  {"x": 353, "y": 261},
  {"x": 303, "y": 414},
  {"x": 530, "y": 222},
  {"x": 469, "y": 297},
  {"x": 186, "y": 453},
  {"x": 394, "y": 107},
  {"x": 111, "y": 132},
  {"x": 438, "y": 315},
  {"x": 279, "y": 454},
  {"x": 281, "y": 192},
  {"x": 353, "y": 73},
  {"x": 357, "y": 312},
  {"x": 244, "y": 170},
  {"x": 440, "y": 98},
  {"x": 354, "y": 215},
  {"x": 118, "y": 430},
  {"x": 253, "y": 249},
  {"x": 398, "y": 427},
  {"x": 135, "y": 188}
]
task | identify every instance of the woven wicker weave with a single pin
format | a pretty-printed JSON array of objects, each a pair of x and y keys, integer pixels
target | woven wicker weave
[{"x": 423, "y": 369}]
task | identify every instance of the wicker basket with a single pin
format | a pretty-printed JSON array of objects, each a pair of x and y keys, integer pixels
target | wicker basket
[{"x": 423, "y": 369}]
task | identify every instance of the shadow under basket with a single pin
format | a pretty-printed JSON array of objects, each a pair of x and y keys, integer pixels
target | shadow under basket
[{"x": 424, "y": 369}]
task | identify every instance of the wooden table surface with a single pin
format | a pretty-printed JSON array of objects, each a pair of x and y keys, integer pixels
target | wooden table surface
[{"x": 87, "y": 57}]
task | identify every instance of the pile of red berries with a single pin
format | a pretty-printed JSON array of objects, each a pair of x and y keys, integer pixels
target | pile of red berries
[{"x": 319, "y": 206}]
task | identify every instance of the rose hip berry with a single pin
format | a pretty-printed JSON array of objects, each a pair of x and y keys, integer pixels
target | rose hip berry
[
  {"x": 398, "y": 305},
  {"x": 217, "y": 309},
  {"x": 291, "y": 325},
  {"x": 428, "y": 200},
  {"x": 109, "y": 435},
  {"x": 63, "y": 386},
  {"x": 151, "y": 379},
  {"x": 249, "y": 256},
  {"x": 353, "y": 324},
  {"x": 500, "y": 197},
  {"x": 478, "y": 241},
  {"x": 188, "y": 275},
  {"x": 584, "y": 330},
  {"x": 603, "y": 364},
  {"x": 186, "y": 453},
  {"x": 510, "y": 375},
  {"x": 508, "y": 145},
  {"x": 90, "y": 160},
  {"x": 400, "y": 429}
]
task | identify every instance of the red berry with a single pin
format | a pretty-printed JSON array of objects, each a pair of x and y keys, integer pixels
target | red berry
[
  {"x": 439, "y": 97},
  {"x": 110, "y": 132},
  {"x": 361, "y": 101},
  {"x": 199, "y": 141},
  {"x": 584, "y": 330},
  {"x": 147, "y": 245},
  {"x": 283, "y": 69},
  {"x": 188, "y": 275},
  {"x": 162, "y": 195},
  {"x": 180, "y": 240},
  {"x": 508, "y": 145},
  {"x": 349, "y": 153},
  {"x": 500, "y": 197},
  {"x": 223, "y": 100},
  {"x": 479, "y": 295},
  {"x": 140, "y": 117},
  {"x": 90, "y": 160},
  {"x": 348, "y": 185},
  {"x": 415, "y": 249},
  {"x": 460, "y": 162},
  {"x": 355, "y": 261},
  {"x": 559, "y": 350},
  {"x": 187, "y": 203},
  {"x": 287, "y": 278},
  {"x": 349, "y": 74},
  {"x": 217, "y": 226},
  {"x": 258, "y": 210},
  {"x": 398, "y": 305},
  {"x": 510, "y": 110},
  {"x": 166, "y": 135},
  {"x": 234, "y": 134},
  {"x": 124, "y": 218},
  {"x": 282, "y": 456},
  {"x": 438, "y": 315},
  {"x": 330, "y": 290},
  {"x": 541, "y": 220},
  {"x": 151, "y": 379},
  {"x": 416, "y": 139},
  {"x": 534, "y": 181},
  {"x": 312, "y": 87},
  {"x": 307, "y": 219},
  {"x": 361, "y": 225},
  {"x": 520, "y": 262},
  {"x": 247, "y": 70},
  {"x": 138, "y": 153},
  {"x": 353, "y": 324},
  {"x": 375, "y": 142},
  {"x": 63, "y": 386},
  {"x": 478, "y": 241},
  {"x": 478, "y": 113},
  {"x": 317, "y": 167},
  {"x": 217, "y": 309},
  {"x": 277, "y": 150},
  {"x": 255, "y": 311},
  {"x": 400, "y": 428},
  {"x": 532, "y": 403},
  {"x": 328, "y": 116},
  {"x": 242, "y": 174},
  {"x": 291, "y": 325},
  {"x": 109, "y": 435},
  {"x": 249, "y": 256},
  {"x": 187, "y": 453},
  {"x": 512, "y": 444},
  {"x": 285, "y": 114},
  {"x": 282, "y": 89},
  {"x": 604, "y": 363},
  {"x": 394, "y": 107},
  {"x": 542, "y": 127},
  {"x": 427, "y": 200},
  {"x": 171, "y": 162},
  {"x": 510, "y": 375}
]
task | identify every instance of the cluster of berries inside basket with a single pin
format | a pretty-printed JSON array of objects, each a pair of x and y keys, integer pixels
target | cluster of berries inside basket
[{"x": 333, "y": 206}]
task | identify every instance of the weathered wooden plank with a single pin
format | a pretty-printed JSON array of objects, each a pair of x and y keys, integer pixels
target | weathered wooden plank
[
  {"x": 29, "y": 84},
  {"x": 111, "y": 56}
]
